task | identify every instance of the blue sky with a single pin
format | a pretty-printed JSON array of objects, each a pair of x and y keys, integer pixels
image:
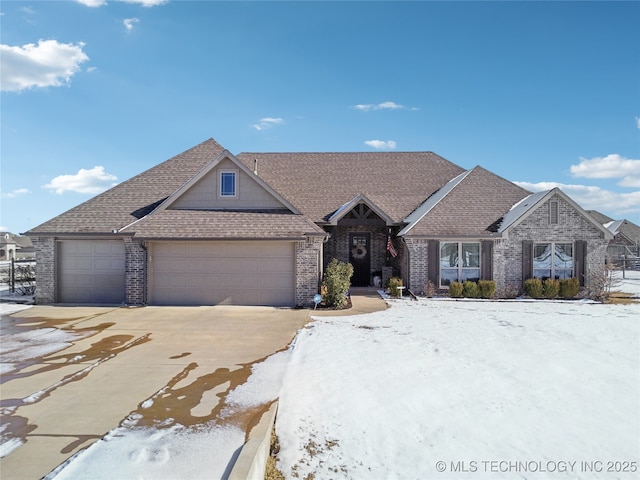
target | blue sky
[{"x": 94, "y": 92}]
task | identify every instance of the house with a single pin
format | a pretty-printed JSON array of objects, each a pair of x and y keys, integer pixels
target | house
[
  {"x": 625, "y": 245},
  {"x": 209, "y": 227},
  {"x": 15, "y": 247}
]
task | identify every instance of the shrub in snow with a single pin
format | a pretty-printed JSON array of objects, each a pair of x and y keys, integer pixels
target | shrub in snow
[
  {"x": 569, "y": 288},
  {"x": 533, "y": 287},
  {"x": 429, "y": 289},
  {"x": 336, "y": 283},
  {"x": 393, "y": 284},
  {"x": 550, "y": 288},
  {"x": 455, "y": 290},
  {"x": 487, "y": 288},
  {"x": 470, "y": 289}
]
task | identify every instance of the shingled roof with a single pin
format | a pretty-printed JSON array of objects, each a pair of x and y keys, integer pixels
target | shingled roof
[
  {"x": 318, "y": 184},
  {"x": 133, "y": 198},
  {"x": 470, "y": 205}
]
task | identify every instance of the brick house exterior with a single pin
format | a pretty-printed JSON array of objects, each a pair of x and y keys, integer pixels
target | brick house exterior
[{"x": 210, "y": 227}]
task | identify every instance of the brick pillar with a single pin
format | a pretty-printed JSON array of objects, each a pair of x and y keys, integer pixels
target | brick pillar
[
  {"x": 308, "y": 270},
  {"x": 45, "y": 269},
  {"x": 135, "y": 272}
]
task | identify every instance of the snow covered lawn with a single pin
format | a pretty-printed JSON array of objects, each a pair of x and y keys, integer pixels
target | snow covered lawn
[
  {"x": 435, "y": 389},
  {"x": 535, "y": 390}
]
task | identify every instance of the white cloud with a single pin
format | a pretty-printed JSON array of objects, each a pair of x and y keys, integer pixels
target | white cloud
[
  {"x": 381, "y": 144},
  {"x": 593, "y": 198},
  {"x": 91, "y": 181},
  {"x": 611, "y": 166},
  {"x": 638, "y": 122},
  {"x": 382, "y": 106},
  {"x": 15, "y": 193},
  {"x": 48, "y": 64},
  {"x": 268, "y": 122},
  {"x": 146, "y": 3},
  {"x": 92, "y": 3},
  {"x": 128, "y": 23}
]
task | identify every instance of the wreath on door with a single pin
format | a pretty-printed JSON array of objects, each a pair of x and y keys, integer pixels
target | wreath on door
[{"x": 359, "y": 252}]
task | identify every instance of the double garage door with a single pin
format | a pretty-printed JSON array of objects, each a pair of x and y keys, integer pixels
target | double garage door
[
  {"x": 212, "y": 273},
  {"x": 180, "y": 273}
]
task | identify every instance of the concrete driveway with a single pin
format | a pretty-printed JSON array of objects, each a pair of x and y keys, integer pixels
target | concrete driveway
[{"x": 116, "y": 358}]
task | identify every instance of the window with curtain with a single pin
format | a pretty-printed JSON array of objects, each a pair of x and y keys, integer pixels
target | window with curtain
[{"x": 459, "y": 261}]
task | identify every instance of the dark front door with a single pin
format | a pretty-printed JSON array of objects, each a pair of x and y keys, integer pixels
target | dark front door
[{"x": 360, "y": 258}]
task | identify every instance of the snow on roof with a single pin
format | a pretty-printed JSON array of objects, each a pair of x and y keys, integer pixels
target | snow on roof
[
  {"x": 613, "y": 226},
  {"x": 521, "y": 208}
]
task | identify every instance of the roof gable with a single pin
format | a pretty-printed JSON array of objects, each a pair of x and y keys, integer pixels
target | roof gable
[
  {"x": 522, "y": 210},
  {"x": 354, "y": 202},
  {"x": 468, "y": 206},
  {"x": 133, "y": 198},
  {"x": 201, "y": 191}
]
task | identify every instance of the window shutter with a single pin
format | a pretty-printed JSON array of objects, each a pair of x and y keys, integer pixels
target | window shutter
[
  {"x": 487, "y": 260},
  {"x": 580, "y": 261},
  {"x": 433, "y": 250},
  {"x": 527, "y": 259}
]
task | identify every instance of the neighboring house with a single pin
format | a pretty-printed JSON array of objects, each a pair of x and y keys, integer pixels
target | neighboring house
[
  {"x": 625, "y": 245},
  {"x": 15, "y": 247},
  {"x": 209, "y": 227}
]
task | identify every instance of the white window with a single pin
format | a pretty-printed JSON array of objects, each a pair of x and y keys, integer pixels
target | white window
[
  {"x": 459, "y": 261},
  {"x": 552, "y": 260},
  {"x": 228, "y": 183}
]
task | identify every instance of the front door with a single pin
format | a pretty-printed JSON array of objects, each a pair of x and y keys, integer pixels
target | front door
[{"x": 360, "y": 258}]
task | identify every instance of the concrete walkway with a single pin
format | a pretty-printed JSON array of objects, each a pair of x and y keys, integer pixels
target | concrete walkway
[{"x": 60, "y": 403}]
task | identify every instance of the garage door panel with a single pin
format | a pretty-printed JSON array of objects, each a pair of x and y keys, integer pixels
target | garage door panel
[
  {"x": 211, "y": 273},
  {"x": 91, "y": 271}
]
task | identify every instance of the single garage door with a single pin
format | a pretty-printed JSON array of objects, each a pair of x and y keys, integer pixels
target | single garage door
[
  {"x": 212, "y": 273},
  {"x": 91, "y": 271}
]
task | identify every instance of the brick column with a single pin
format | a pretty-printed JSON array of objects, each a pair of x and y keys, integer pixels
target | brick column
[
  {"x": 45, "y": 269},
  {"x": 308, "y": 269},
  {"x": 135, "y": 272}
]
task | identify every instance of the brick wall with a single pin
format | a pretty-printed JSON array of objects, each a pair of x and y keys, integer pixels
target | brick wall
[
  {"x": 135, "y": 272},
  {"x": 572, "y": 225},
  {"x": 308, "y": 270},
  {"x": 507, "y": 252},
  {"x": 45, "y": 269},
  {"x": 418, "y": 263}
]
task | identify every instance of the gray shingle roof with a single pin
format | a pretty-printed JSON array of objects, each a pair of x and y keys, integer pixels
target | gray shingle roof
[
  {"x": 133, "y": 198},
  {"x": 217, "y": 224},
  {"x": 320, "y": 183},
  {"x": 473, "y": 205},
  {"x": 317, "y": 184}
]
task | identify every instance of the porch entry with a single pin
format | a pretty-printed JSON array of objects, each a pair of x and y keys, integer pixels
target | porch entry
[{"x": 360, "y": 258}]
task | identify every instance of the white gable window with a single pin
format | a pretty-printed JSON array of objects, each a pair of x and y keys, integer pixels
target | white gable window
[
  {"x": 552, "y": 260},
  {"x": 228, "y": 183},
  {"x": 459, "y": 261}
]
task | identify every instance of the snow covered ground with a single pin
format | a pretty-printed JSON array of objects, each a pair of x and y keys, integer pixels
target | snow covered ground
[
  {"x": 434, "y": 389},
  {"x": 441, "y": 389}
]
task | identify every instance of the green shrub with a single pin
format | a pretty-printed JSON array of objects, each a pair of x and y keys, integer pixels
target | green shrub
[
  {"x": 470, "y": 289},
  {"x": 569, "y": 288},
  {"x": 455, "y": 290},
  {"x": 336, "y": 283},
  {"x": 533, "y": 287},
  {"x": 393, "y": 283},
  {"x": 550, "y": 288},
  {"x": 487, "y": 288}
]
